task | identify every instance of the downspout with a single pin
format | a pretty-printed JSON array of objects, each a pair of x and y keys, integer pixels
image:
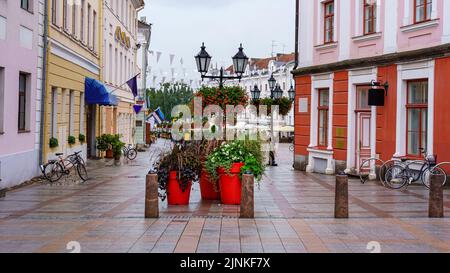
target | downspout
[
  {"x": 44, "y": 83},
  {"x": 297, "y": 22}
]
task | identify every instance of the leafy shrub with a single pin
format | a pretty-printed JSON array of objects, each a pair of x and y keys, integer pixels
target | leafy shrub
[
  {"x": 71, "y": 140},
  {"x": 53, "y": 143},
  {"x": 82, "y": 138}
]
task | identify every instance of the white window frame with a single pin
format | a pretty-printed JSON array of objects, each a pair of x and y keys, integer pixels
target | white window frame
[
  {"x": 320, "y": 37},
  {"x": 407, "y": 72},
  {"x": 321, "y": 82},
  {"x": 408, "y": 7},
  {"x": 2, "y": 99},
  {"x": 359, "y": 15}
]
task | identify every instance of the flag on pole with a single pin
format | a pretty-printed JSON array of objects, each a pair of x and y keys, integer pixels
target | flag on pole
[{"x": 132, "y": 83}]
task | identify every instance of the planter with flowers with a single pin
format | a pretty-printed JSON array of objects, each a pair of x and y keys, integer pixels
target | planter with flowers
[
  {"x": 227, "y": 163},
  {"x": 177, "y": 170}
]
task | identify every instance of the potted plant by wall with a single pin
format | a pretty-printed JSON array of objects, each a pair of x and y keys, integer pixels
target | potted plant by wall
[
  {"x": 117, "y": 147},
  {"x": 104, "y": 144},
  {"x": 82, "y": 138},
  {"x": 177, "y": 170},
  {"x": 53, "y": 142},
  {"x": 71, "y": 140},
  {"x": 208, "y": 189},
  {"x": 228, "y": 162}
]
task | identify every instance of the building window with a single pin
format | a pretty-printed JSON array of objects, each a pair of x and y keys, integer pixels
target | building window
[
  {"x": 94, "y": 31},
  {"x": 54, "y": 12},
  {"x": 110, "y": 63},
  {"x": 370, "y": 16},
  {"x": 74, "y": 19},
  {"x": 417, "y": 117},
  {"x": 71, "y": 111},
  {"x": 22, "y": 110},
  {"x": 328, "y": 21},
  {"x": 89, "y": 25},
  {"x": 422, "y": 10},
  {"x": 65, "y": 15},
  {"x": 82, "y": 20},
  {"x": 54, "y": 114},
  {"x": 27, "y": 5},
  {"x": 81, "y": 124},
  {"x": 322, "y": 109}
]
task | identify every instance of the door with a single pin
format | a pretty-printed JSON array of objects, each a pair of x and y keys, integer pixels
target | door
[
  {"x": 363, "y": 149},
  {"x": 363, "y": 127}
]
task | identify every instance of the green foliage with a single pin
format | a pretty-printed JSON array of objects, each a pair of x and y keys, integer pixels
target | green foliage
[
  {"x": 107, "y": 141},
  {"x": 184, "y": 159},
  {"x": 71, "y": 140},
  {"x": 228, "y": 95},
  {"x": 168, "y": 96},
  {"x": 284, "y": 105},
  {"x": 82, "y": 138},
  {"x": 238, "y": 151},
  {"x": 53, "y": 143}
]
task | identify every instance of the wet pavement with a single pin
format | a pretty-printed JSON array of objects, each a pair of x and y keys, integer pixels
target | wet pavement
[{"x": 294, "y": 213}]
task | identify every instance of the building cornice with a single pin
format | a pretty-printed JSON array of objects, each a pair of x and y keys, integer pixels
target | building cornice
[
  {"x": 386, "y": 59},
  {"x": 68, "y": 54}
]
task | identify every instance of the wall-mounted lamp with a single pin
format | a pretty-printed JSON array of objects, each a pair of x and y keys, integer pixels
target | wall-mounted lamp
[{"x": 377, "y": 93}]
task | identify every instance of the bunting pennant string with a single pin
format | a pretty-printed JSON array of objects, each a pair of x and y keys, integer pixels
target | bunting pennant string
[{"x": 172, "y": 56}]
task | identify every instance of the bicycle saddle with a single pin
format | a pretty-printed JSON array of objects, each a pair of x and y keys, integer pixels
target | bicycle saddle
[{"x": 59, "y": 154}]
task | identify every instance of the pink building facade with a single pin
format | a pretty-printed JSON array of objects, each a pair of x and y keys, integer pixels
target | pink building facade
[
  {"x": 345, "y": 45},
  {"x": 20, "y": 85}
]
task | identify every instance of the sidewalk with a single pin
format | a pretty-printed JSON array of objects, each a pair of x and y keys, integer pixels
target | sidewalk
[{"x": 294, "y": 213}]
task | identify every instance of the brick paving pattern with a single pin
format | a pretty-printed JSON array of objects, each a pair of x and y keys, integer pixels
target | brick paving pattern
[{"x": 294, "y": 213}]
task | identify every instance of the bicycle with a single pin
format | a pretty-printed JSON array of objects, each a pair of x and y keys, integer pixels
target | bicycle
[
  {"x": 54, "y": 170},
  {"x": 398, "y": 176},
  {"x": 130, "y": 152}
]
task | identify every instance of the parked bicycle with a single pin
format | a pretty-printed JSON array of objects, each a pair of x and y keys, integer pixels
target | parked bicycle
[
  {"x": 54, "y": 170},
  {"x": 130, "y": 152},
  {"x": 398, "y": 176}
]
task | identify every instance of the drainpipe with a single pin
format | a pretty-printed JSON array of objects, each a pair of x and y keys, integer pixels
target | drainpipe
[
  {"x": 44, "y": 83},
  {"x": 297, "y": 22},
  {"x": 297, "y": 9}
]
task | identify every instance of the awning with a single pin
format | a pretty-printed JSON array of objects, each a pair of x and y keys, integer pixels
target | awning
[{"x": 97, "y": 93}]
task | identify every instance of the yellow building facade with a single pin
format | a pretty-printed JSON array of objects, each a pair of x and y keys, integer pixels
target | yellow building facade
[{"x": 74, "y": 53}]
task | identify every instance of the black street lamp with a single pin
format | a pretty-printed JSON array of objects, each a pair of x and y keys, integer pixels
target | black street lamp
[
  {"x": 291, "y": 93},
  {"x": 277, "y": 93},
  {"x": 272, "y": 83},
  {"x": 240, "y": 62},
  {"x": 256, "y": 93}
]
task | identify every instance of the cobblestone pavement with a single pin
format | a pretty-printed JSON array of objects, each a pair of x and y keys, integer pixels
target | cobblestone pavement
[{"x": 294, "y": 213}]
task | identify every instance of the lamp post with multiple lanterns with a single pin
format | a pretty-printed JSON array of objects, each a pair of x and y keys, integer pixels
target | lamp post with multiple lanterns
[
  {"x": 275, "y": 93},
  {"x": 203, "y": 60}
]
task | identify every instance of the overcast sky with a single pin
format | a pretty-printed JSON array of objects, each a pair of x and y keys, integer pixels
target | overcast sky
[{"x": 180, "y": 26}]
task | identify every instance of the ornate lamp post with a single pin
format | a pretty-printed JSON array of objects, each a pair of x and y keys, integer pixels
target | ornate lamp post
[
  {"x": 203, "y": 60},
  {"x": 256, "y": 93}
]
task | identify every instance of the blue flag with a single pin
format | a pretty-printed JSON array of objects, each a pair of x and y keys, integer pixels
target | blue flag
[{"x": 132, "y": 83}]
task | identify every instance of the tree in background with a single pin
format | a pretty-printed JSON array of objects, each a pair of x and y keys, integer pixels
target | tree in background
[{"x": 169, "y": 95}]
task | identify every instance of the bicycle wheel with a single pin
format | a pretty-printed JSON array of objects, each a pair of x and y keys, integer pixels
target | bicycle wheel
[
  {"x": 132, "y": 154},
  {"x": 53, "y": 172},
  {"x": 82, "y": 172},
  {"x": 396, "y": 177},
  {"x": 369, "y": 168},
  {"x": 437, "y": 171}
]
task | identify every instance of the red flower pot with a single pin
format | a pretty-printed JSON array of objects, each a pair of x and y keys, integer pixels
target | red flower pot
[
  {"x": 207, "y": 188},
  {"x": 230, "y": 185},
  {"x": 109, "y": 153},
  {"x": 175, "y": 196}
]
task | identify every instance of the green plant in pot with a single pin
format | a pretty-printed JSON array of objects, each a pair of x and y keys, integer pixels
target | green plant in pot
[
  {"x": 71, "y": 140},
  {"x": 82, "y": 138},
  {"x": 227, "y": 164},
  {"x": 177, "y": 170},
  {"x": 53, "y": 143},
  {"x": 117, "y": 147},
  {"x": 105, "y": 143}
]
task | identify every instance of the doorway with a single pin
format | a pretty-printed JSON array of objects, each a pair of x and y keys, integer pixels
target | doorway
[{"x": 363, "y": 132}]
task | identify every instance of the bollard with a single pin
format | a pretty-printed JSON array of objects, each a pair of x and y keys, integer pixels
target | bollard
[
  {"x": 341, "y": 197},
  {"x": 436, "y": 200},
  {"x": 247, "y": 196},
  {"x": 151, "y": 196},
  {"x": 2, "y": 193}
]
